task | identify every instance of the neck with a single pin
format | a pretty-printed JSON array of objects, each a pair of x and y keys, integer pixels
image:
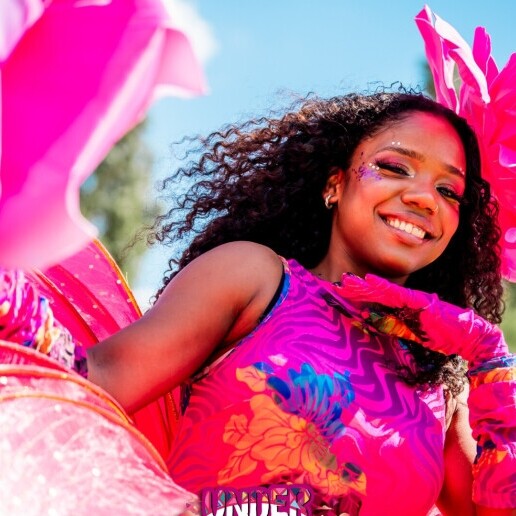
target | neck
[{"x": 332, "y": 271}]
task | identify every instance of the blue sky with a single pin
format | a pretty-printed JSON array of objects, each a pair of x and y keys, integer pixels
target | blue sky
[{"x": 256, "y": 51}]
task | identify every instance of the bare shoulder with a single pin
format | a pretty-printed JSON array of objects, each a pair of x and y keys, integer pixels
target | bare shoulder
[
  {"x": 242, "y": 276},
  {"x": 244, "y": 269},
  {"x": 241, "y": 257},
  {"x": 214, "y": 301}
]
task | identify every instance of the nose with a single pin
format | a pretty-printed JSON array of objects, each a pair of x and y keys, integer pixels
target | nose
[{"x": 422, "y": 197}]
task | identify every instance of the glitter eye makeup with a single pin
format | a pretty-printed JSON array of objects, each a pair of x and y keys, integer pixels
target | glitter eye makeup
[{"x": 369, "y": 171}]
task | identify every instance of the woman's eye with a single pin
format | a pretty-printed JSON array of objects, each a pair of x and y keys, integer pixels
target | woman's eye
[
  {"x": 393, "y": 167},
  {"x": 450, "y": 194}
]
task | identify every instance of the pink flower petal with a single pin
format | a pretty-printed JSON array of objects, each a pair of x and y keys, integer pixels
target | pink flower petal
[
  {"x": 482, "y": 54},
  {"x": 507, "y": 157},
  {"x": 440, "y": 65},
  {"x": 16, "y": 16},
  {"x": 76, "y": 81}
]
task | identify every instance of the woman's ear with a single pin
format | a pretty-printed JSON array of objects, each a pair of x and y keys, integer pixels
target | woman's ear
[{"x": 333, "y": 184}]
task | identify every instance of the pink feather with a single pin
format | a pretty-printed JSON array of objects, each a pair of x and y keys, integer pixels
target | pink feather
[{"x": 487, "y": 100}]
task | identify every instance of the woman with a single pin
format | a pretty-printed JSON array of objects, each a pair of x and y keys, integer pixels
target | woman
[{"x": 286, "y": 378}]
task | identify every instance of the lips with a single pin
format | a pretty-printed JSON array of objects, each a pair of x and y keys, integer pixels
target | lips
[{"x": 413, "y": 228}]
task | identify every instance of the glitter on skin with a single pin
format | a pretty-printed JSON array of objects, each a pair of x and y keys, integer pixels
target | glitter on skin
[{"x": 369, "y": 171}]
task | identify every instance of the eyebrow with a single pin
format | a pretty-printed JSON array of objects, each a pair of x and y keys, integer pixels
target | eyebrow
[{"x": 416, "y": 155}]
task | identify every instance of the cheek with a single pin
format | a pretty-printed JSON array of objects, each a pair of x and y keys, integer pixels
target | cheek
[{"x": 451, "y": 222}]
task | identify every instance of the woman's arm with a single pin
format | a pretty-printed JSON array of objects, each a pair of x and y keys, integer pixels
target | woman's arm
[
  {"x": 459, "y": 453},
  {"x": 451, "y": 329},
  {"x": 216, "y": 300}
]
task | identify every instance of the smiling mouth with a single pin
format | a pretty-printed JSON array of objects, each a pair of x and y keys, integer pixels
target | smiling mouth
[{"x": 407, "y": 227}]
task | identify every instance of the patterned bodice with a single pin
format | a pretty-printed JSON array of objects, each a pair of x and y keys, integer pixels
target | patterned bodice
[{"x": 312, "y": 396}]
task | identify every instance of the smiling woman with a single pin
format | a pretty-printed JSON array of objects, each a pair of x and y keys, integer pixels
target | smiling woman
[
  {"x": 402, "y": 193},
  {"x": 331, "y": 324},
  {"x": 285, "y": 377}
]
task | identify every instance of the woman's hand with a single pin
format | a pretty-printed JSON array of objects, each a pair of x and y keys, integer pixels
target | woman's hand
[{"x": 444, "y": 327}]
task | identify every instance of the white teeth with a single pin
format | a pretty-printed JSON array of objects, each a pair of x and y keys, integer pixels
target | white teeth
[{"x": 407, "y": 227}]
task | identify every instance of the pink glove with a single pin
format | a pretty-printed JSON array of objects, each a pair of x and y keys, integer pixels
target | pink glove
[
  {"x": 448, "y": 329},
  {"x": 443, "y": 327}
]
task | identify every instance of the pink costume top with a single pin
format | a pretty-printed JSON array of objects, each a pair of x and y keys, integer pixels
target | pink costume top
[{"x": 312, "y": 396}]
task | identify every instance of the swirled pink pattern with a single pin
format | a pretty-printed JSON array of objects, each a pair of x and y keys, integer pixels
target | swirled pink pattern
[{"x": 312, "y": 397}]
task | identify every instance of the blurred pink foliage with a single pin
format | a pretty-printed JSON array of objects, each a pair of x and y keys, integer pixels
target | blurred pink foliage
[{"x": 75, "y": 75}]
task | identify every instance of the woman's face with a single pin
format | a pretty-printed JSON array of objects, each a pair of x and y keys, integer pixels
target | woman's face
[{"x": 397, "y": 206}]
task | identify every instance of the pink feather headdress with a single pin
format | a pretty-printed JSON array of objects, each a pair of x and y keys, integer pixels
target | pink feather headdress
[{"x": 487, "y": 100}]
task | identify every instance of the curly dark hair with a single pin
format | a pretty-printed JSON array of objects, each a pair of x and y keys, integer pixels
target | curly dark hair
[{"x": 262, "y": 181}]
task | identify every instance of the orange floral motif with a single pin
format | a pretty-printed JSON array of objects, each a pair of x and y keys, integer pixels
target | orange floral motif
[
  {"x": 253, "y": 377},
  {"x": 498, "y": 374},
  {"x": 288, "y": 445},
  {"x": 488, "y": 458}
]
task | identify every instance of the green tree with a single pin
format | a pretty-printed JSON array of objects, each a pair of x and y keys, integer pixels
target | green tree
[
  {"x": 509, "y": 319},
  {"x": 428, "y": 82},
  {"x": 117, "y": 199}
]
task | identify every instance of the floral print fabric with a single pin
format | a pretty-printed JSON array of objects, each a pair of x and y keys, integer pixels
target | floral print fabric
[
  {"x": 312, "y": 396},
  {"x": 26, "y": 318}
]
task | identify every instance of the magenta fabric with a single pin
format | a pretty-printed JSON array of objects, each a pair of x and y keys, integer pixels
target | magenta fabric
[
  {"x": 312, "y": 396},
  {"x": 71, "y": 306},
  {"x": 492, "y": 403},
  {"x": 75, "y": 75},
  {"x": 88, "y": 293},
  {"x": 486, "y": 99},
  {"x": 90, "y": 297},
  {"x": 66, "y": 445},
  {"x": 438, "y": 325},
  {"x": 450, "y": 329},
  {"x": 26, "y": 318}
]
